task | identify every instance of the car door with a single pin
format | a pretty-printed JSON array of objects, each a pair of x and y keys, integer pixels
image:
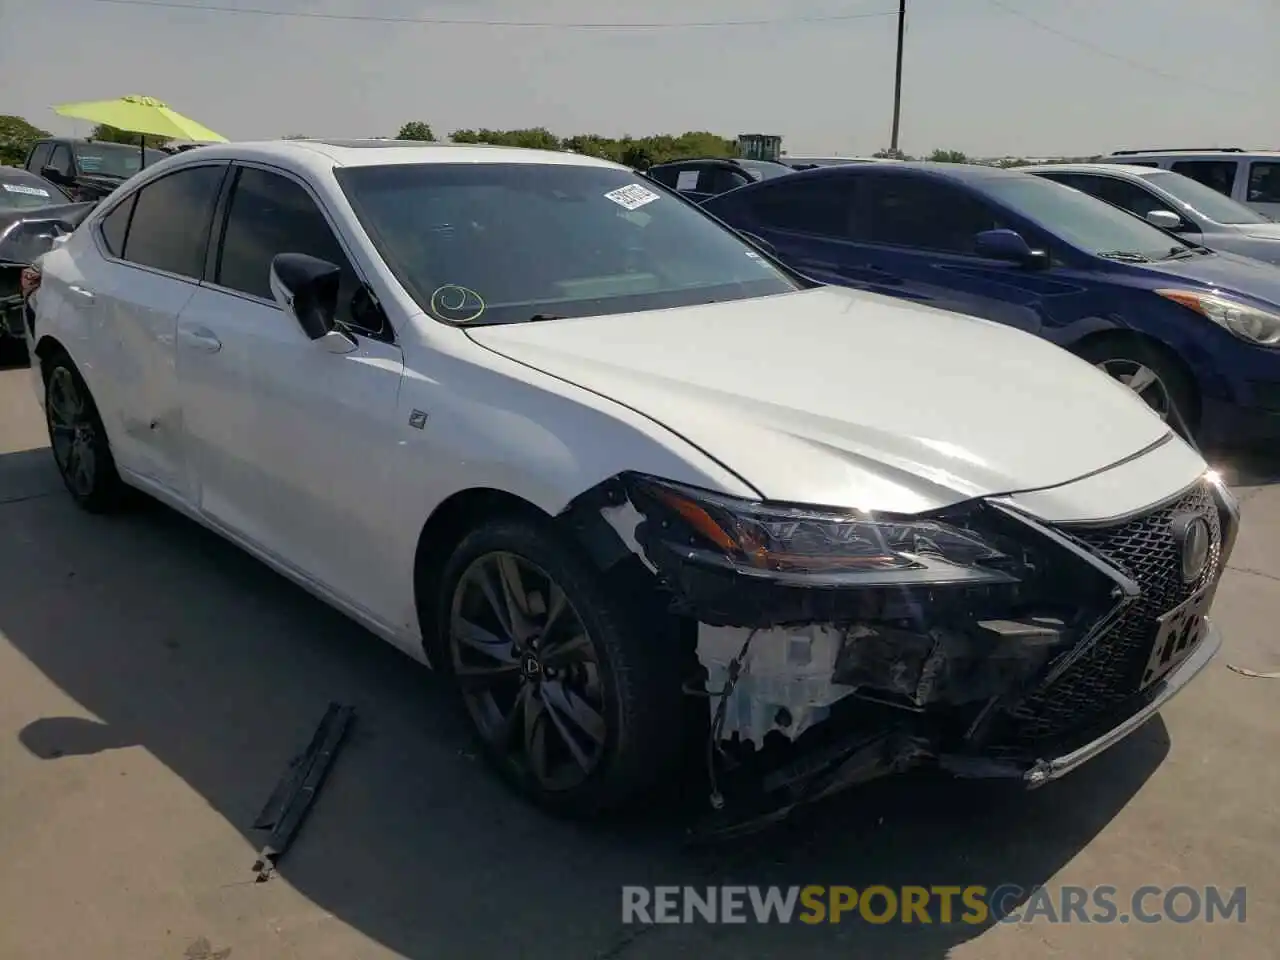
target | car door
[
  {"x": 289, "y": 442},
  {"x": 143, "y": 265},
  {"x": 1263, "y": 192}
]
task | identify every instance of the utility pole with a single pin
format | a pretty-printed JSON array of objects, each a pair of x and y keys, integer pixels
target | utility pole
[{"x": 897, "y": 75}]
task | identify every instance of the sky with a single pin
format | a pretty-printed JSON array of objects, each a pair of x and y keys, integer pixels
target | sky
[{"x": 988, "y": 77}]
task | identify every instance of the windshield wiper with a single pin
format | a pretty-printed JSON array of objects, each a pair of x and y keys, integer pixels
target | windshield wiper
[
  {"x": 1181, "y": 253},
  {"x": 1128, "y": 256},
  {"x": 539, "y": 317}
]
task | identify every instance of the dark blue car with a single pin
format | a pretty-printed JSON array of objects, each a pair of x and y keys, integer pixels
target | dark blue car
[{"x": 1195, "y": 333}]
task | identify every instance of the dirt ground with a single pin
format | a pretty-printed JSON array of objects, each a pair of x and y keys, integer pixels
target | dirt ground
[{"x": 154, "y": 682}]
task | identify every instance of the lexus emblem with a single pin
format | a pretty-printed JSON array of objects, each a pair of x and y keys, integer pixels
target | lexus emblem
[{"x": 1194, "y": 541}]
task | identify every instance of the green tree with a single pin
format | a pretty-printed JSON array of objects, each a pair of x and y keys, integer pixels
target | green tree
[
  {"x": 112, "y": 135},
  {"x": 948, "y": 156},
  {"x": 16, "y": 137},
  {"x": 416, "y": 130}
]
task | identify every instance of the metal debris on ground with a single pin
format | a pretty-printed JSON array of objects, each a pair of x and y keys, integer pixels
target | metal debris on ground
[
  {"x": 1246, "y": 672},
  {"x": 297, "y": 789}
]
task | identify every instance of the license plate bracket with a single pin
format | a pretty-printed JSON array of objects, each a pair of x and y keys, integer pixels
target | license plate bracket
[{"x": 1177, "y": 633}]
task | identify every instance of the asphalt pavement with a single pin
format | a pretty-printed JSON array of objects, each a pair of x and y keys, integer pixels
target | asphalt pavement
[{"x": 155, "y": 682}]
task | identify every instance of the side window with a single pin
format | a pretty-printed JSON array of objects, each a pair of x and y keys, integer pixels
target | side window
[
  {"x": 666, "y": 177},
  {"x": 60, "y": 159},
  {"x": 1126, "y": 195},
  {"x": 1218, "y": 174},
  {"x": 115, "y": 225},
  {"x": 1264, "y": 182},
  {"x": 924, "y": 214},
  {"x": 39, "y": 158},
  {"x": 169, "y": 229},
  {"x": 716, "y": 180},
  {"x": 271, "y": 214},
  {"x": 818, "y": 207}
]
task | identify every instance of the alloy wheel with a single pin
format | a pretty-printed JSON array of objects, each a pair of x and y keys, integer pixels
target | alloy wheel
[
  {"x": 71, "y": 431},
  {"x": 1143, "y": 381},
  {"x": 528, "y": 670}
]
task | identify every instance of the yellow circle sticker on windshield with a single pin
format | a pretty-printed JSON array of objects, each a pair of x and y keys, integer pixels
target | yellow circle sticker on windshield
[{"x": 456, "y": 304}]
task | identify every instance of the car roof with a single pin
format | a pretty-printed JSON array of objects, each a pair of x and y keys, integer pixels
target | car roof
[
  {"x": 959, "y": 172},
  {"x": 1132, "y": 169},
  {"x": 1190, "y": 153},
  {"x": 321, "y": 155}
]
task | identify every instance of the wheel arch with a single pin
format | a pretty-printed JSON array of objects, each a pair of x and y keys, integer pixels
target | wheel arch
[
  {"x": 1145, "y": 342},
  {"x": 451, "y": 520}
]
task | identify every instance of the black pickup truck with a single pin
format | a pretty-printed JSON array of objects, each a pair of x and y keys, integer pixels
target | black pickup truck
[{"x": 88, "y": 169}]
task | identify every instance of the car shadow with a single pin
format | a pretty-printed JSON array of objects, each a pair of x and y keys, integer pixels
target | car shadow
[{"x": 185, "y": 647}]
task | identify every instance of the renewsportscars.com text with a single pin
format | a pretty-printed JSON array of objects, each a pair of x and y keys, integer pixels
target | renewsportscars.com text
[{"x": 973, "y": 904}]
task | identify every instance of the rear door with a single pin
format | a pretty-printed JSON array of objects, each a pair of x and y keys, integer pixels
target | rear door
[
  {"x": 152, "y": 245},
  {"x": 1263, "y": 192},
  {"x": 289, "y": 441}
]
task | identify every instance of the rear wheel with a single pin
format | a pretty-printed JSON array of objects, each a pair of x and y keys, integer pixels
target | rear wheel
[
  {"x": 78, "y": 439},
  {"x": 570, "y": 698}
]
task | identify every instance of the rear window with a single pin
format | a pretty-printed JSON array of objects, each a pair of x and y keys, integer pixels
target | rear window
[
  {"x": 1218, "y": 175},
  {"x": 481, "y": 243},
  {"x": 20, "y": 190}
]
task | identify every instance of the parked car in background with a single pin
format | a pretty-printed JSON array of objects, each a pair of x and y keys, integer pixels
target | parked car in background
[
  {"x": 1170, "y": 201},
  {"x": 584, "y": 449},
  {"x": 1249, "y": 177},
  {"x": 33, "y": 212},
  {"x": 701, "y": 178},
  {"x": 87, "y": 169},
  {"x": 1195, "y": 333}
]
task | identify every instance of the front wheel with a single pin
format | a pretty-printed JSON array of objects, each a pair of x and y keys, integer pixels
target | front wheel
[
  {"x": 1157, "y": 379},
  {"x": 78, "y": 439},
  {"x": 571, "y": 698}
]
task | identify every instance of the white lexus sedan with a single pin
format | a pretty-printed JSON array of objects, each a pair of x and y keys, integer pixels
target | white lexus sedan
[{"x": 546, "y": 425}]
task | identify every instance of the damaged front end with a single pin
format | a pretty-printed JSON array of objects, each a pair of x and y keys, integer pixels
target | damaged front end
[{"x": 835, "y": 646}]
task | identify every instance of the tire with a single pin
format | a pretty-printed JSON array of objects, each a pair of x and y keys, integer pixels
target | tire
[
  {"x": 1171, "y": 395},
  {"x": 78, "y": 439},
  {"x": 627, "y": 741}
]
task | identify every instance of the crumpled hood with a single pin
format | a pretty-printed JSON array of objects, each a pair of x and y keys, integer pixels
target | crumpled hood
[{"x": 844, "y": 398}]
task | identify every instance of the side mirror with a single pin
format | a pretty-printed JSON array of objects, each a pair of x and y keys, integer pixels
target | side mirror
[
  {"x": 1164, "y": 219},
  {"x": 307, "y": 290},
  {"x": 1009, "y": 246},
  {"x": 54, "y": 175}
]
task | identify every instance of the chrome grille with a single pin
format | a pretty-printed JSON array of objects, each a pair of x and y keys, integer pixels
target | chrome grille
[{"x": 1109, "y": 673}]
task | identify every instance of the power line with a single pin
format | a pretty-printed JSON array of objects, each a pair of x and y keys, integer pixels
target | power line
[
  {"x": 529, "y": 24},
  {"x": 1109, "y": 54}
]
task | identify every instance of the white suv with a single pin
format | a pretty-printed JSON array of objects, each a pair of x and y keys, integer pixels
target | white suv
[
  {"x": 589, "y": 452},
  {"x": 1252, "y": 178}
]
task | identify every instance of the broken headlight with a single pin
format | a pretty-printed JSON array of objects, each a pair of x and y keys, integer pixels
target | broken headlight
[{"x": 810, "y": 545}]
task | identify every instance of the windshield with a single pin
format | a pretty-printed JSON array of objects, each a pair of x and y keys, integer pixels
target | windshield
[
  {"x": 112, "y": 159},
  {"x": 481, "y": 243},
  {"x": 1206, "y": 201},
  {"x": 1093, "y": 225},
  {"x": 20, "y": 190}
]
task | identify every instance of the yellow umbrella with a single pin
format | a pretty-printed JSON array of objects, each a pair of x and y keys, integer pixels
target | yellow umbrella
[
  {"x": 145, "y": 115},
  {"x": 140, "y": 115}
]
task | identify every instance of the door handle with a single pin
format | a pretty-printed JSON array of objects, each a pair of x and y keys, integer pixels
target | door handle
[
  {"x": 82, "y": 292},
  {"x": 200, "y": 338}
]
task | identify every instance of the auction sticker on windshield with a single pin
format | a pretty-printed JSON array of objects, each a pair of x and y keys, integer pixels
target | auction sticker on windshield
[
  {"x": 24, "y": 189},
  {"x": 632, "y": 196}
]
